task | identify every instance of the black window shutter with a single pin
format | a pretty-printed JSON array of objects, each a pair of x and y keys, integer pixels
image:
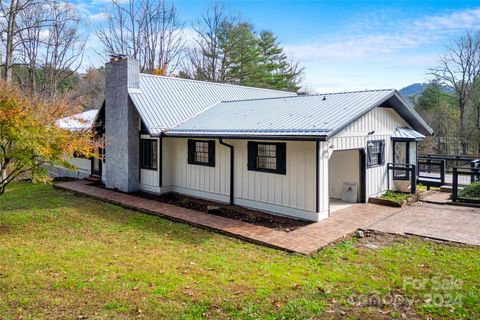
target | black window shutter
[
  {"x": 252, "y": 155},
  {"x": 147, "y": 154},
  {"x": 142, "y": 153},
  {"x": 191, "y": 151},
  {"x": 282, "y": 158},
  {"x": 153, "y": 154},
  {"x": 211, "y": 153},
  {"x": 369, "y": 155},
  {"x": 382, "y": 152}
]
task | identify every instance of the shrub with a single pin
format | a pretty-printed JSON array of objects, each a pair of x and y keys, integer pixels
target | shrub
[{"x": 471, "y": 191}]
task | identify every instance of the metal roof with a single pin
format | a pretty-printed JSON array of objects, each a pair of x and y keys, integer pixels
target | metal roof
[
  {"x": 166, "y": 102},
  {"x": 83, "y": 120},
  {"x": 314, "y": 115},
  {"x": 407, "y": 134}
]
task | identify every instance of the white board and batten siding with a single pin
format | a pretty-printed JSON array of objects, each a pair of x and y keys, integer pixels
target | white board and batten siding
[
  {"x": 81, "y": 171},
  {"x": 83, "y": 165},
  {"x": 289, "y": 194},
  {"x": 383, "y": 121}
]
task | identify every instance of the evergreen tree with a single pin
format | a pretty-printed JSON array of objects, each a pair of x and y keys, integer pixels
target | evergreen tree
[
  {"x": 275, "y": 70},
  {"x": 230, "y": 51},
  {"x": 241, "y": 54}
]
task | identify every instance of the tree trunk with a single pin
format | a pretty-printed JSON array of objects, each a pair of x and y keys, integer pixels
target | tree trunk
[
  {"x": 463, "y": 138},
  {"x": 12, "y": 15}
]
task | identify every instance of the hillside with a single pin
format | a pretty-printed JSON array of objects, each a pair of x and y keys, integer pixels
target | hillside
[{"x": 413, "y": 89}]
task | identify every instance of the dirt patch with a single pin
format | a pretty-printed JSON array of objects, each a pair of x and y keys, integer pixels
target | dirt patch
[
  {"x": 233, "y": 212},
  {"x": 377, "y": 240},
  {"x": 365, "y": 306},
  {"x": 4, "y": 229}
]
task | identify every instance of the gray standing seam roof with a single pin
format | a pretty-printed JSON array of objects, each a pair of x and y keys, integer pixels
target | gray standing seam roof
[
  {"x": 314, "y": 115},
  {"x": 407, "y": 134},
  {"x": 80, "y": 121},
  {"x": 166, "y": 102}
]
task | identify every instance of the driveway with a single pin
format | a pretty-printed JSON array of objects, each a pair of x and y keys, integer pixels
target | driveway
[{"x": 445, "y": 222}]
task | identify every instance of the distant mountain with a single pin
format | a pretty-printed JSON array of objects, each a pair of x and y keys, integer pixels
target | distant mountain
[{"x": 413, "y": 90}]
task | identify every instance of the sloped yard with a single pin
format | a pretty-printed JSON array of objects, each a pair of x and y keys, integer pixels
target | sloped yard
[{"x": 65, "y": 256}]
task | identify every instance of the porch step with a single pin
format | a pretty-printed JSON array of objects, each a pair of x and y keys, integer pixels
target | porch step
[
  {"x": 448, "y": 188},
  {"x": 93, "y": 179}
]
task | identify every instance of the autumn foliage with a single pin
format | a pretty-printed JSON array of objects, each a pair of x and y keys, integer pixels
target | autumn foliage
[{"x": 30, "y": 138}]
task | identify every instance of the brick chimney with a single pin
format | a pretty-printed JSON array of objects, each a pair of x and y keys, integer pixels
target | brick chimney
[{"x": 122, "y": 137}]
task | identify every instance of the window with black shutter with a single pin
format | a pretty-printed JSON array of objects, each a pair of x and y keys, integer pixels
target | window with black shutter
[
  {"x": 267, "y": 157},
  {"x": 201, "y": 152},
  {"x": 376, "y": 153},
  {"x": 149, "y": 154}
]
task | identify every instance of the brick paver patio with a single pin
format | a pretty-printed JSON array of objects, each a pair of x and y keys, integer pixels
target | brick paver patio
[
  {"x": 305, "y": 240},
  {"x": 436, "y": 221}
]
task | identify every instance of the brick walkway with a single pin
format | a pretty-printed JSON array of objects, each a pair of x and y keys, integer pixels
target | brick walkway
[{"x": 305, "y": 240}]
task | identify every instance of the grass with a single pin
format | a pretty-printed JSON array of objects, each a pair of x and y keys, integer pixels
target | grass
[
  {"x": 423, "y": 188},
  {"x": 396, "y": 196},
  {"x": 68, "y": 257}
]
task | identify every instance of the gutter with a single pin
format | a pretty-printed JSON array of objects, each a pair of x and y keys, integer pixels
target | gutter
[
  {"x": 232, "y": 161},
  {"x": 245, "y": 137}
]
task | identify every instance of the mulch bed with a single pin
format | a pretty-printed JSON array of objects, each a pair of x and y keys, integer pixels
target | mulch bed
[
  {"x": 260, "y": 218},
  {"x": 233, "y": 212}
]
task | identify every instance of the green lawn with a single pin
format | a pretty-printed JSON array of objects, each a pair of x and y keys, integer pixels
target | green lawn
[{"x": 70, "y": 257}]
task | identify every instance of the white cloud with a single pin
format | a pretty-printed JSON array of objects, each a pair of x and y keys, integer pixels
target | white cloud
[
  {"x": 97, "y": 17},
  {"x": 364, "y": 40},
  {"x": 456, "y": 21}
]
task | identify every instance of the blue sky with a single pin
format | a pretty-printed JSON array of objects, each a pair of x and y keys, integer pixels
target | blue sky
[{"x": 343, "y": 45}]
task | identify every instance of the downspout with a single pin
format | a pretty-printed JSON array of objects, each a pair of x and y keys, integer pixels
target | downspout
[
  {"x": 160, "y": 169},
  {"x": 231, "y": 169},
  {"x": 317, "y": 174}
]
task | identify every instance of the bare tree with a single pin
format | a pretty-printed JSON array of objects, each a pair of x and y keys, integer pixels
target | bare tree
[
  {"x": 459, "y": 69},
  {"x": 207, "y": 59},
  {"x": 147, "y": 30},
  {"x": 63, "y": 47},
  {"x": 162, "y": 37},
  {"x": 45, "y": 42},
  {"x": 30, "y": 40},
  {"x": 121, "y": 32},
  {"x": 9, "y": 11}
]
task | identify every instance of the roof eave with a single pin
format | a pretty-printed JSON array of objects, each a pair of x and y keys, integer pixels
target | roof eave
[
  {"x": 407, "y": 139},
  {"x": 245, "y": 136}
]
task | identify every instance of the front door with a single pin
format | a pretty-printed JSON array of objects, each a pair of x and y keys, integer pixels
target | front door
[
  {"x": 96, "y": 169},
  {"x": 404, "y": 152},
  {"x": 400, "y": 149}
]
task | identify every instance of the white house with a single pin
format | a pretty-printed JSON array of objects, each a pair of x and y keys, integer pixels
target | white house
[{"x": 264, "y": 149}]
